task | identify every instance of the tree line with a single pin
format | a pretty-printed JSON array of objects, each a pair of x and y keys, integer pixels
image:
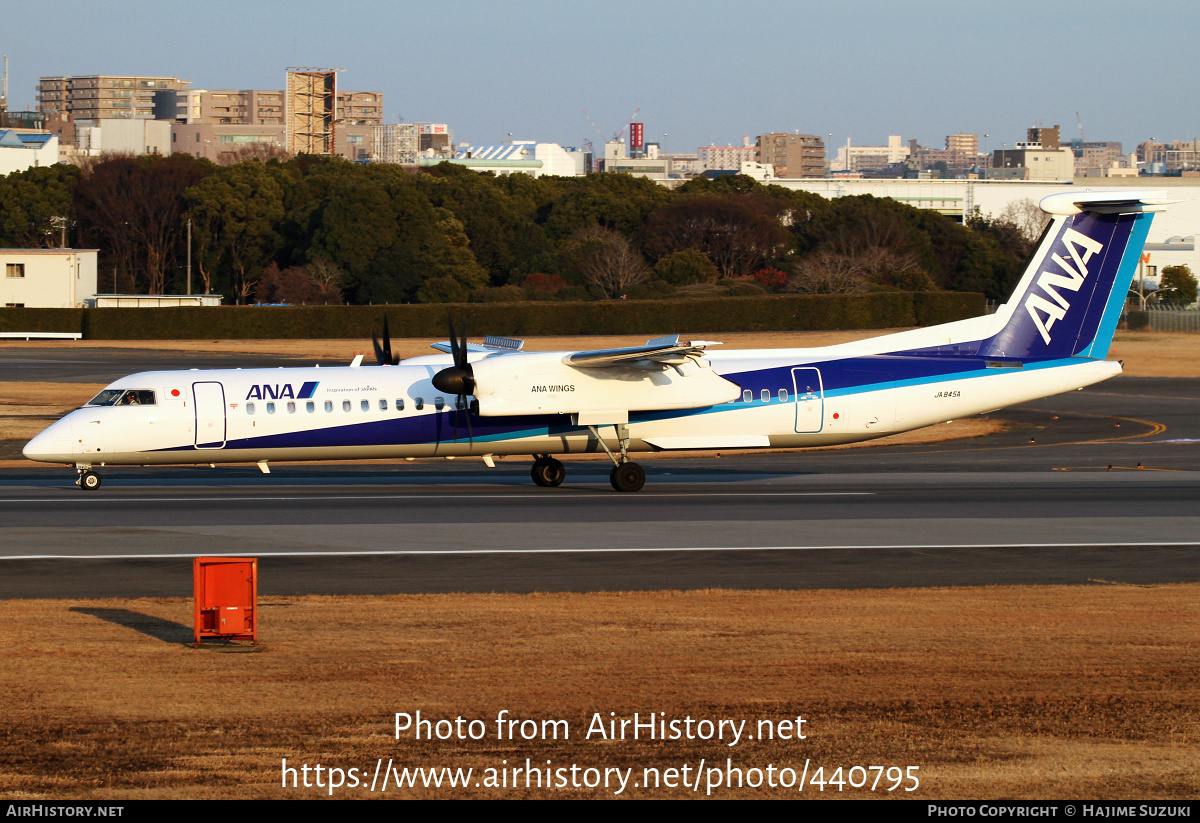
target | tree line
[{"x": 323, "y": 230}]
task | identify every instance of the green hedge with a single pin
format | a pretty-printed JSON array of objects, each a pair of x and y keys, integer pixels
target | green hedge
[
  {"x": 934, "y": 307},
  {"x": 724, "y": 314},
  {"x": 1137, "y": 320},
  {"x": 63, "y": 320}
]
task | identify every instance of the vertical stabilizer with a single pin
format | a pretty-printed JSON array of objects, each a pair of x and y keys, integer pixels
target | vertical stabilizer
[{"x": 1070, "y": 298}]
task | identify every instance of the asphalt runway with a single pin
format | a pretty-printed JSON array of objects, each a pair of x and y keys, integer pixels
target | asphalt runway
[
  {"x": 100, "y": 364},
  {"x": 1036, "y": 504}
]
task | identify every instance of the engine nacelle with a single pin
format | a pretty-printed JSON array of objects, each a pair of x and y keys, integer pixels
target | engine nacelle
[{"x": 544, "y": 384}]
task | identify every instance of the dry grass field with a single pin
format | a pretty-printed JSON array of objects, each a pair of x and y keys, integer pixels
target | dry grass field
[
  {"x": 1010, "y": 692},
  {"x": 1084, "y": 692},
  {"x": 1146, "y": 354}
]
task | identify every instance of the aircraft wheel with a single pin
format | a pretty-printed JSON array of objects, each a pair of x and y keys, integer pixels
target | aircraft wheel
[
  {"x": 89, "y": 481},
  {"x": 627, "y": 477},
  {"x": 548, "y": 472}
]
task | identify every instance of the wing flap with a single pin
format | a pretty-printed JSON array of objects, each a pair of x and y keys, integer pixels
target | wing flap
[{"x": 715, "y": 441}]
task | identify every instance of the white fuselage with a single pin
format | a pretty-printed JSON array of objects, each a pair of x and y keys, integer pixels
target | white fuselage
[{"x": 777, "y": 398}]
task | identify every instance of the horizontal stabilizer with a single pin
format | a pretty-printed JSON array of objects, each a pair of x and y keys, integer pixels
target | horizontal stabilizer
[{"x": 1136, "y": 201}]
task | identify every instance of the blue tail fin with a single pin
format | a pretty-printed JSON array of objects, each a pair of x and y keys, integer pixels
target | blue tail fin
[{"x": 1070, "y": 298}]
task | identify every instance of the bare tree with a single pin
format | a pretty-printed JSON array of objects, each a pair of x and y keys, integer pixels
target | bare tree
[
  {"x": 873, "y": 251},
  {"x": 826, "y": 272},
  {"x": 739, "y": 234},
  {"x": 608, "y": 262},
  {"x": 134, "y": 207},
  {"x": 1027, "y": 217},
  {"x": 327, "y": 276},
  {"x": 295, "y": 285},
  {"x": 252, "y": 151}
]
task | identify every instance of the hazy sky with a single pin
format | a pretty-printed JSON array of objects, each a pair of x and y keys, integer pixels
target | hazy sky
[{"x": 702, "y": 72}]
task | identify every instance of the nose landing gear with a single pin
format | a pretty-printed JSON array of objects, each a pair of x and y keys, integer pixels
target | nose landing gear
[{"x": 87, "y": 479}]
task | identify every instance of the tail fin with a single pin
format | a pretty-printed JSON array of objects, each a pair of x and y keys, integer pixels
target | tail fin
[{"x": 1070, "y": 298}]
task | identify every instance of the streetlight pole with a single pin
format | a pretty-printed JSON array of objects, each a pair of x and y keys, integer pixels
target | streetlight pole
[{"x": 189, "y": 256}]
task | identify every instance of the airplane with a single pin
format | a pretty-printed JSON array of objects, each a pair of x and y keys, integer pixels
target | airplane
[{"x": 495, "y": 399}]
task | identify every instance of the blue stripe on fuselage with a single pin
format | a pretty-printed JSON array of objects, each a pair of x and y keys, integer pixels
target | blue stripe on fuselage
[{"x": 839, "y": 378}]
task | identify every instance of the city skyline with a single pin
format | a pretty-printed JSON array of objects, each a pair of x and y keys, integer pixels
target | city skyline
[{"x": 704, "y": 76}]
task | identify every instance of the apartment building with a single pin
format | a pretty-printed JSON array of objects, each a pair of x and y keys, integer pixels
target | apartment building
[
  {"x": 871, "y": 159},
  {"x": 105, "y": 96},
  {"x": 726, "y": 158},
  {"x": 792, "y": 155},
  {"x": 963, "y": 143},
  {"x": 359, "y": 108}
]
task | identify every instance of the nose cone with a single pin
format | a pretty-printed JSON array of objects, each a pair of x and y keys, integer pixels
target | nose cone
[{"x": 53, "y": 445}]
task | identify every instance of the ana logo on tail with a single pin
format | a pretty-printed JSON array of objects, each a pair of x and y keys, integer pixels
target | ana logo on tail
[{"x": 1072, "y": 280}]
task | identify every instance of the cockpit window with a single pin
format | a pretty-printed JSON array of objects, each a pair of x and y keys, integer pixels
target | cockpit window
[
  {"x": 138, "y": 397},
  {"x": 106, "y": 398},
  {"x": 123, "y": 397}
]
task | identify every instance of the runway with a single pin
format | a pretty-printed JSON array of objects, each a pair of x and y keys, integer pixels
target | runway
[{"x": 1035, "y": 504}]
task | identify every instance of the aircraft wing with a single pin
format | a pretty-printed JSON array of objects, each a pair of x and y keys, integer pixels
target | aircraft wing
[
  {"x": 667, "y": 351},
  {"x": 663, "y": 374}
]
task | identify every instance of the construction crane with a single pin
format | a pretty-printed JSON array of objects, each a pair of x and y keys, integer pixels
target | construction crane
[
  {"x": 616, "y": 135},
  {"x": 619, "y": 135}
]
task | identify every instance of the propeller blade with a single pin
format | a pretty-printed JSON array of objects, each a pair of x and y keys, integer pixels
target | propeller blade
[
  {"x": 454, "y": 347},
  {"x": 383, "y": 353},
  {"x": 461, "y": 406},
  {"x": 387, "y": 343},
  {"x": 378, "y": 351}
]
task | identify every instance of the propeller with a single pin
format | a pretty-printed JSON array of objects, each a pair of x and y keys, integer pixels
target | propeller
[
  {"x": 383, "y": 354},
  {"x": 458, "y": 379}
]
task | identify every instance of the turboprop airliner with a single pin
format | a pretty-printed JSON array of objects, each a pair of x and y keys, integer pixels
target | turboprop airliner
[{"x": 495, "y": 399}]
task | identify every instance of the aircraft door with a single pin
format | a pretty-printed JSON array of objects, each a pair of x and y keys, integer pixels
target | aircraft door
[
  {"x": 210, "y": 415},
  {"x": 810, "y": 400}
]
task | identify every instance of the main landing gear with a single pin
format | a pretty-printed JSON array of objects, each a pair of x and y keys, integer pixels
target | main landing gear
[
  {"x": 626, "y": 476},
  {"x": 87, "y": 479},
  {"x": 547, "y": 471}
]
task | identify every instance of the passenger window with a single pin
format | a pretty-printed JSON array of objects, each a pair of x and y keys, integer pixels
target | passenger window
[
  {"x": 345, "y": 405},
  {"x": 365, "y": 405},
  {"x": 765, "y": 394},
  {"x": 310, "y": 407},
  {"x": 783, "y": 395},
  {"x": 747, "y": 396},
  {"x": 382, "y": 404},
  {"x": 270, "y": 408},
  {"x": 249, "y": 408},
  {"x": 439, "y": 403},
  {"x": 400, "y": 404},
  {"x": 418, "y": 403},
  {"x": 328, "y": 405},
  {"x": 291, "y": 407}
]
